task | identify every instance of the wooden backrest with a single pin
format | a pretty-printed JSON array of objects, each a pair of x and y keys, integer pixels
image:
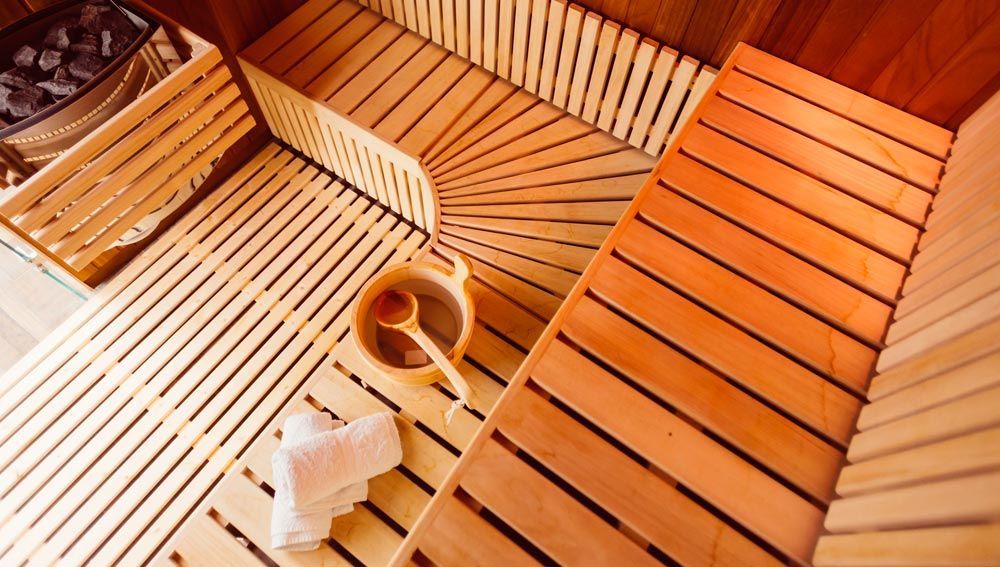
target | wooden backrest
[
  {"x": 629, "y": 86},
  {"x": 81, "y": 203},
  {"x": 359, "y": 155},
  {"x": 922, "y": 483}
]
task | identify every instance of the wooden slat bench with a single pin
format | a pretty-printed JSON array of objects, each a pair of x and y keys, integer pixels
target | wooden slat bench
[
  {"x": 695, "y": 394},
  {"x": 125, "y": 419},
  {"x": 78, "y": 207}
]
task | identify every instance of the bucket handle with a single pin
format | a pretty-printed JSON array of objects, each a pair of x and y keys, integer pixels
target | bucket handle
[{"x": 463, "y": 270}]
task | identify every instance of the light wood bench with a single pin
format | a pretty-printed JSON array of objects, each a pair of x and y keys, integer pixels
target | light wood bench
[
  {"x": 77, "y": 208},
  {"x": 695, "y": 394}
]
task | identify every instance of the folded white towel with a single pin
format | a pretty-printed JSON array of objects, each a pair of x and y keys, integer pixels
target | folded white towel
[
  {"x": 365, "y": 448},
  {"x": 303, "y": 530}
]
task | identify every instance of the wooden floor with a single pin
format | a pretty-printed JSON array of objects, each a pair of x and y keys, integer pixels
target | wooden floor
[{"x": 693, "y": 401}]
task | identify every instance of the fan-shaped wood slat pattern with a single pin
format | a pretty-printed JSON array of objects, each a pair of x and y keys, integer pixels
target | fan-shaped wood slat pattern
[{"x": 526, "y": 190}]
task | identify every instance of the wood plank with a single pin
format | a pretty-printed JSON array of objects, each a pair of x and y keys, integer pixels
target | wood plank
[
  {"x": 941, "y": 358},
  {"x": 207, "y": 543},
  {"x": 803, "y": 193},
  {"x": 945, "y": 387},
  {"x": 455, "y": 526},
  {"x": 549, "y": 278},
  {"x": 826, "y": 164},
  {"x": 680, "y": 81},
  {"x": 621, "y": 188},
  {"x": 582, "y": 69},
  {"x": 574, "y": 534},
  {"x": 969, "y": 454},
  {"x": 970, "y": 317},
  {"x": 967, "y": 545},
  {"x": 573, "y": 233},
  {"x": 550, "y": 51},
  {"x": 823, "y": 348},
  {"x": 874, "y": 273},
  {"x": 624, "y": 162},
  {"x": 972, "y": 499},
  {"x": 700, "y": 394},
  {"x": 599, "y": 212},
  {"x": 624, "y": 54},
  {"x": 626, "y": 489},
  {"x": 814, "y": 401},
  {"x": 565, "y": 256},
  {"x": 866, "y": 145},
  {"x": 713, "y": 472},
  {"x": 810, "y": 288},
  {"x": 663, "y": 69},
  {"x": 965, "y": 415},
  {"x": 634, "y": 88},
  {"x": 606, "y": 46}
]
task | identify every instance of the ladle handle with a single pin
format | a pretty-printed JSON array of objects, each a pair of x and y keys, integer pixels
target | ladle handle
[{"x": 441, "y": 360}]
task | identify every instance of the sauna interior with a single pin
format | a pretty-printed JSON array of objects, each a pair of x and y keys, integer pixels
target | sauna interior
[{"x": 725, "y": 278}]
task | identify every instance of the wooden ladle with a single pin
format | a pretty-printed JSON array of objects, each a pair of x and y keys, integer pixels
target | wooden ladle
[{"x": 397, "y": 310}]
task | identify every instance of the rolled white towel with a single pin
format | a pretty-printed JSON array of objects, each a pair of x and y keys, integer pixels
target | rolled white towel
[
  {"x": 303, "y": 530},
  {"x": 332, "y": 460}
]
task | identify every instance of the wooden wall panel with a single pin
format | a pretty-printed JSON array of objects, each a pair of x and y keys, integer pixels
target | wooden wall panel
[{"x": 937, "y": 59}]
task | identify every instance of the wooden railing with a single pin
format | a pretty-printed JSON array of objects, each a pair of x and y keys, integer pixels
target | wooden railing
[
  {"x": 631, "y": 87},
  {"x": 921, "y": 485},
  {"x": 357, "y": 154},
  {"x": 80, "y": 204}
]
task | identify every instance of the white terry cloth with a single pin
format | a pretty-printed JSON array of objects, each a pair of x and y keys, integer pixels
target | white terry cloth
[
  {"x": 332, "y": 460},
  {"x": 303, "y": 530}
]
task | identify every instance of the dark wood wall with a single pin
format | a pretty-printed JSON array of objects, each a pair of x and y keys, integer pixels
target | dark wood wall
[{"x": 939, "y": 59}]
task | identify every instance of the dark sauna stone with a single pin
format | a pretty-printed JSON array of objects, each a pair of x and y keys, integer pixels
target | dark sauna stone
[
  {"x": 89, "y": 43},
  {"x": 114, "y": 43},
  {"x": 86, "y": 66},
  {"x": 25, "y": 56},
  {"x": 90, "y": 14},
  {"x": 26, "y": 102},
  {"x": 5, "y": 92},
  {"x": 62, "y": 73},
  {"x": 62, "y": 33},
  {"x": 20, "y": 78},
  {"x": 59, "y": 87},
  {"x": 50, "y": 59}
]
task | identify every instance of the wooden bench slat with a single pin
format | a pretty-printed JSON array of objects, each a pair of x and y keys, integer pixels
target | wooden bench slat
[
  {"x": 557, "y": 517},
  {"x": 857, "y": 264},
  {"x": 728, "y": 482},
  {"x": 828, "y": 165},
  {"x": 751, "y": 363},
  {"x": 803, "y": 193},
  {"x": 904, "y": 127},
  {"x": 824, "y": 348},
  {"x": 850, "y": 138},
  {"x": 768, "y": 265},
  {"x": 633, "y": 494}
]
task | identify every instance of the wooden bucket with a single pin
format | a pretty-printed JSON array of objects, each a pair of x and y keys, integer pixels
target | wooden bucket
[{"x": 447, "y": 315}]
